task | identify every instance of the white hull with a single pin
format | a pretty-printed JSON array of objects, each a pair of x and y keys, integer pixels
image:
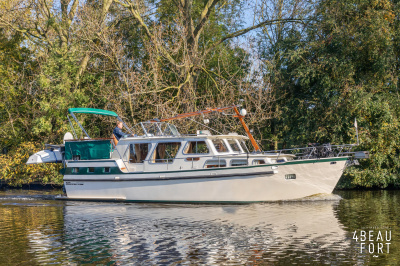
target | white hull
[{"x": 223, "y": 185}]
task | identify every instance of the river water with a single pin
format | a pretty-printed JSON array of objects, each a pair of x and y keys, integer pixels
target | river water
[{"x": 345, "y": 228}]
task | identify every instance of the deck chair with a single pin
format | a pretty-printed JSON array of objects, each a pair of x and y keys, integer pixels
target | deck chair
[{"x": 114, "y": 139}]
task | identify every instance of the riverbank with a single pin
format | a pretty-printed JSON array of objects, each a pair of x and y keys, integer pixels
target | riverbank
[{"x": 32, "y": 186}]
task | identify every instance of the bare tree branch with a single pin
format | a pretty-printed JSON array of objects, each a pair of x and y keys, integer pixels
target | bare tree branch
[
  {"x": 205, "y": 14},
  {"x": 137, "y": 16},
  {"x": 246, "y": 30},
  {"x": 72, "y": 13},
  {"x": 83, "y": 65}
]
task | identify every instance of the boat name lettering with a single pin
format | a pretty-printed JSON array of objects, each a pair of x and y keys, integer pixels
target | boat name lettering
[{"x": 68, "y": 183}]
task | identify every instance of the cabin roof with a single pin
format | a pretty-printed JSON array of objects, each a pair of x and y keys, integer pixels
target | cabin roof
[{"x": 188, "y": 137}]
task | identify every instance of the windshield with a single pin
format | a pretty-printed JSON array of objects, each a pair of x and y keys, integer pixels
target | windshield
[
  {"x": 234, "y": 145},
  {"x": 157, "y": 129}
]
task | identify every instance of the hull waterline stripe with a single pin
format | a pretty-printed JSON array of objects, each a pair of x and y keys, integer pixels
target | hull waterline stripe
[
  {"x": 169, "y": 178},
  {"x": 163, "y": 201}
]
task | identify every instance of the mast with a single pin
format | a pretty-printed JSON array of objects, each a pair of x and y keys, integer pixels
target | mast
[
  {"x": 211, "y": 110},
  {"x": 253, "y": 141}
]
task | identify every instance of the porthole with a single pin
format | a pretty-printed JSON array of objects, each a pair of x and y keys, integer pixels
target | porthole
[
  {"x": 290, "y": 176},
  {"x": 238, "y": 162},
  {"x": 215, "y": 163}
]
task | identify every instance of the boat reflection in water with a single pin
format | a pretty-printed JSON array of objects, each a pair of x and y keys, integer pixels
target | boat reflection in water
[{"x": 302, "y": 231}]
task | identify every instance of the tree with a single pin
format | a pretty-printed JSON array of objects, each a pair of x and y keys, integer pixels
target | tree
[
  {"x": 143, "y": 59},
  {"x": 345, "y": 67}
]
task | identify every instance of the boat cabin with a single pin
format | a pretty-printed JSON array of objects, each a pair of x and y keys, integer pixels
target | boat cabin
[
  {"x": 158, "y": 146},
  {"x": 154, "y": 146},
  {"x": 163, "y": 148}
]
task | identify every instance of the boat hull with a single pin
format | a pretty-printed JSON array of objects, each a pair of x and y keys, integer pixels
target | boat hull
[
  {"x": 286, "y": 181},
  {"x": 45, "y": 156}
]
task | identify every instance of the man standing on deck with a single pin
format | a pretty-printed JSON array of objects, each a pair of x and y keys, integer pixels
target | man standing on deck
[{"x": 118, "y": 133}]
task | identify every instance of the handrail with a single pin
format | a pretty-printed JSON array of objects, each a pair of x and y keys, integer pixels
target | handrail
[
  {"x": 225, "y": 157},
  {"x": 88, "y": 139},
  {"x": 191, "y": 135},
  {"x": 239, "y": 156},
  {"x": 321, "y": 151}
]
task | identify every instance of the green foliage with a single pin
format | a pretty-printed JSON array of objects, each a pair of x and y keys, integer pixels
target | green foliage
[
  {"x": 39, "y": 70},
  {"x": 340, "y": 65},
  {"x": 16, "y": 70},
  {"x": 15, "y": 172},
  {"x": 344, "y": 67},
  {"x": 36, "y": 91},
  {"x": 55, "y": 93}
]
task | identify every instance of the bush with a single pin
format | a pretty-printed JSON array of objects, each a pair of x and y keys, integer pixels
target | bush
[{"x": 15, "y": 172}]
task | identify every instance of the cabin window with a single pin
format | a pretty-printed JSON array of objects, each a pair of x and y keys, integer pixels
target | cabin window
[
  {"x": 165, "y": 152},
  {"x": 215, "y": 163},
  {"x": 91, "y": 170},
  {"x": 238, "y": 162},
  {"x": 219, "y": 145},
  {"x": 196, "y": 147},
  {"x": 138, "y": 152},
  {"x": 258, "y": 161},
  {"x": 75, "y": 170},
  {"x": 107, "y": 170},
  {"x": 234, "y": 145}
]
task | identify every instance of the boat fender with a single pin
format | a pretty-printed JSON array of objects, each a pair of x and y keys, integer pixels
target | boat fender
[
  {"x": 55, "y": 156},
  {"x": 62, "y": 171}
]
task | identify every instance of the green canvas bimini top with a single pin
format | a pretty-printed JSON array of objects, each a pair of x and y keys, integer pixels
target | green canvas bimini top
[{"x": 91, "y": 111}]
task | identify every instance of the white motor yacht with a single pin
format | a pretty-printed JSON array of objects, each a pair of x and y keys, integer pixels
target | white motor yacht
[{"x": 159, "y": 164}]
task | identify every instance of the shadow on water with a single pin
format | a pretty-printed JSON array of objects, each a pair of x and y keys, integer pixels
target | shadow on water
[{"x": 42, "y": 230}]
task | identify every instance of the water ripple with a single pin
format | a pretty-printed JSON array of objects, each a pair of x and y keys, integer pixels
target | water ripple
[{"x": 40, "y": 230}]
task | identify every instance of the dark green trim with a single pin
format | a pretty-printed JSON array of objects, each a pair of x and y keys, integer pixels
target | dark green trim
[
  {"x": 315, "y": 160},
  {"x": 170, "y": 178},
  {"x": 117, "y": 171},
  {"x": 97, "y": 171},
  {"x": 92, "y": 161}
]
